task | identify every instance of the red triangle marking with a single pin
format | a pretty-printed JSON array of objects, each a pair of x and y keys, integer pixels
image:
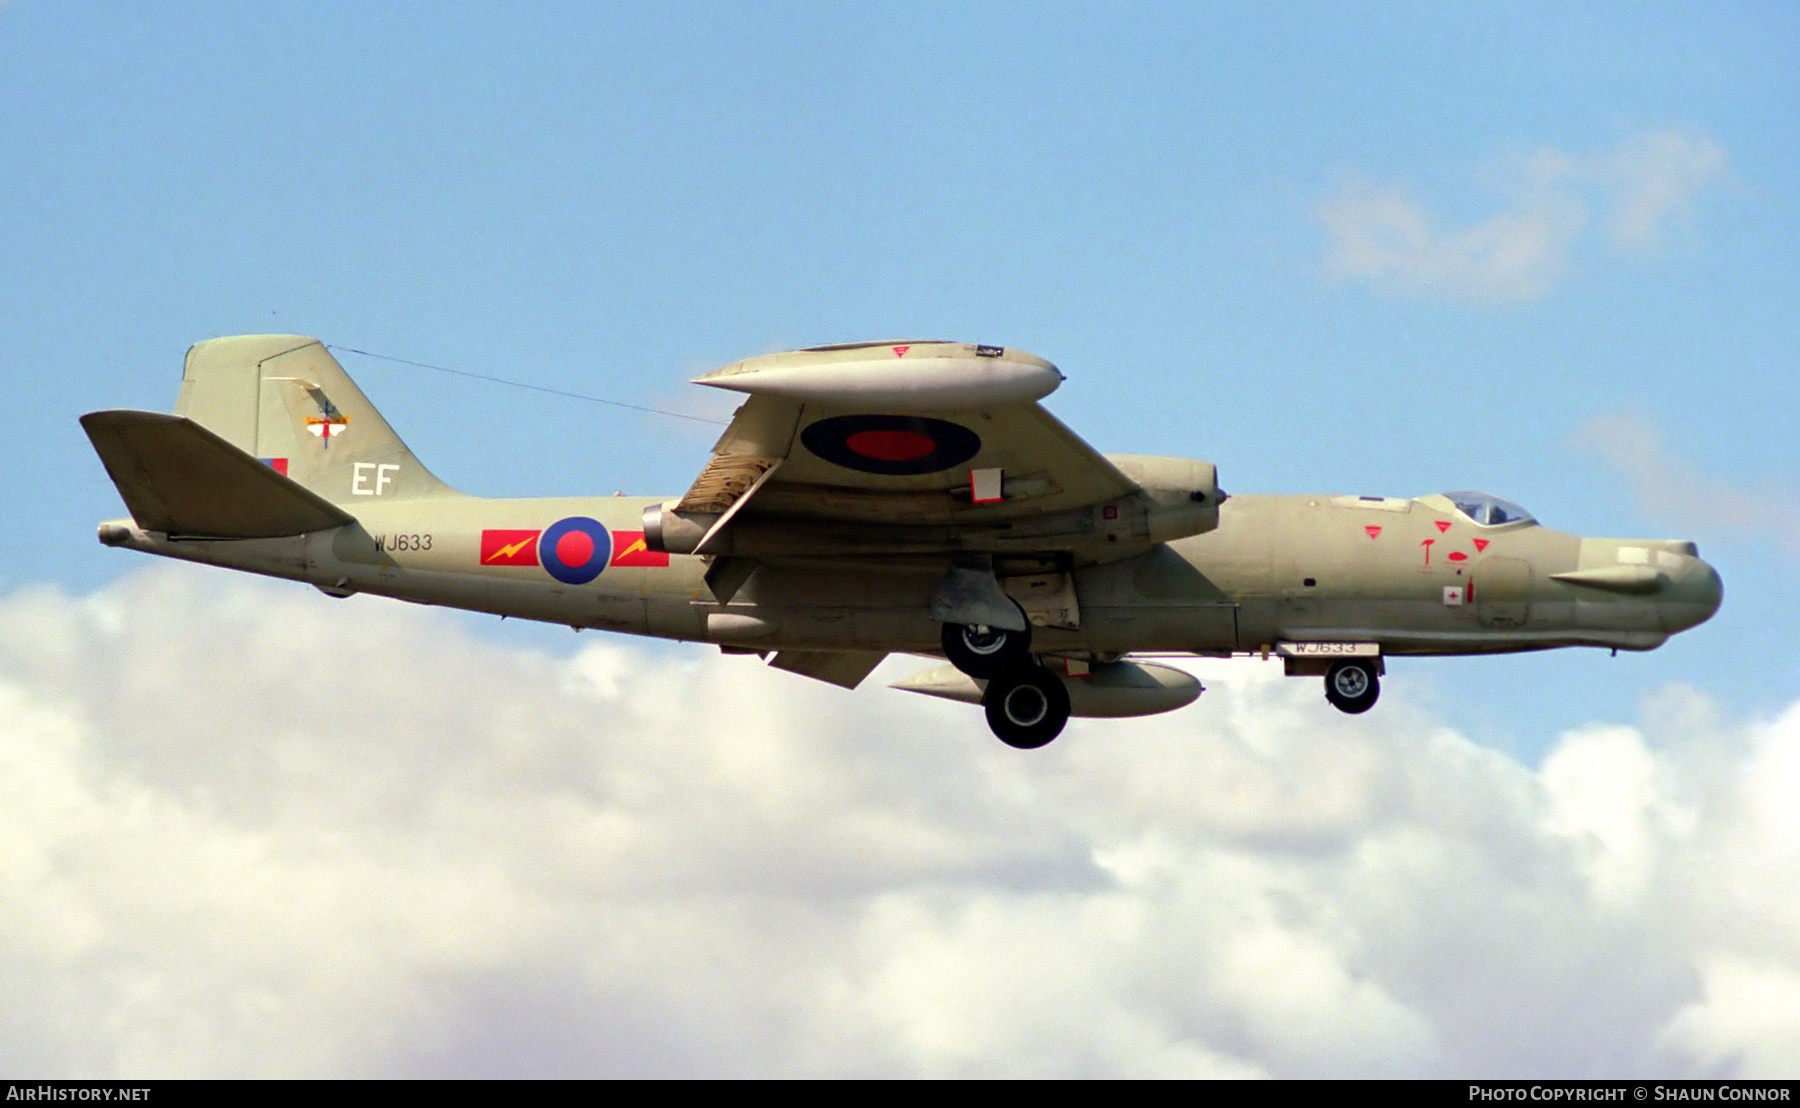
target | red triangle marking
[
  {"x": 900, "y": 351},
  {"x": 1480, "y": 545},
  {"x": 1443, "y": 525},
  {"x": 1374, "y": 529}
]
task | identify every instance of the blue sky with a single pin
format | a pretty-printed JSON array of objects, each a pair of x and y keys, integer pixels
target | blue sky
[{"x": 1368, "y": 248}]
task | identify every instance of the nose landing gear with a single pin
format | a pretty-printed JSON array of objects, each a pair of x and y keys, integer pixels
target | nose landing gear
[{"x": 1352, "y": 686}]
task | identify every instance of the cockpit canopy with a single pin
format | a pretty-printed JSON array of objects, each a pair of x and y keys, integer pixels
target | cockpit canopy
[{"x": 1488, "y": 510}]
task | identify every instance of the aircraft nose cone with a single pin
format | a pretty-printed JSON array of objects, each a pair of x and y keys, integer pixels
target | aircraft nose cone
[{"x": 1693, "y": 597}]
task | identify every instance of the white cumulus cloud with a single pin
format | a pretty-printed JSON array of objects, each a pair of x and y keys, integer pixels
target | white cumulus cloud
[
  {"x": 1547, "y": 207},
  {"x": 252, "y": 831}
]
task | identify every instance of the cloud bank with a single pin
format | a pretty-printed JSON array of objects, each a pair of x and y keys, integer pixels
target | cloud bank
[
  {"x": 1550, "y": 207},
  {"x": 252, "y": 831}
]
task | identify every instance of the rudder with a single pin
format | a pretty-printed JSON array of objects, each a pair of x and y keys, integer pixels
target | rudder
[{"x": 285, "y": 400}]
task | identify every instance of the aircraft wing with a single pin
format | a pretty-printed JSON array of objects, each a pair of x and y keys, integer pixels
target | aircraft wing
[{"x": 898, "y": 449}]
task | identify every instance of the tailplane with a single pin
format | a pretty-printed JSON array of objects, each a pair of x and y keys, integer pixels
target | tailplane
[
  {"x": 285, "y": 401},
  {"x": 181, "y": 479}
]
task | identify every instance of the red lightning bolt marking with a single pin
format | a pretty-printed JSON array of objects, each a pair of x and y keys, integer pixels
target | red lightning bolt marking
[{"x": 508, "y": 551}]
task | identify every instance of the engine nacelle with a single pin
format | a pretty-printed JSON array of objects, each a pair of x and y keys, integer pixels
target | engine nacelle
[
  {"x": 1184, "y": 493},
  {"x": 668, "y": 531}
]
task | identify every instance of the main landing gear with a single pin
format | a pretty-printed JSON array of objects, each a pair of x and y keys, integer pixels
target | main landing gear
[
  {"x": 1026, "y": 704},
  {"x": 1352, "y": 686},
  {"x": 982, "y": 651}
]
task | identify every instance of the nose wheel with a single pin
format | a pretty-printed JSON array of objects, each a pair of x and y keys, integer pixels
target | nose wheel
[
  {"x": 1027, "y": 706},
  {"x": 1352, "y": 686}
]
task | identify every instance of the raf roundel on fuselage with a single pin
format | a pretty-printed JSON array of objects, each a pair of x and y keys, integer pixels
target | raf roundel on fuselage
[{"x": 575, "y": 550}]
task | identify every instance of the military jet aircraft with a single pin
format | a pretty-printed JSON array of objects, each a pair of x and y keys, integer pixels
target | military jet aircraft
[{"x": 887, "y": 497}]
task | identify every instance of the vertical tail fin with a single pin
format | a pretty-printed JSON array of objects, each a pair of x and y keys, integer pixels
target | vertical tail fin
[{"x": 285, "y": 400}]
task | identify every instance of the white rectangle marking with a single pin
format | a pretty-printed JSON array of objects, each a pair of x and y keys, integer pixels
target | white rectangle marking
[
  {"x": 1328, "y": 649},
  {"x": 985, "y": 485}
]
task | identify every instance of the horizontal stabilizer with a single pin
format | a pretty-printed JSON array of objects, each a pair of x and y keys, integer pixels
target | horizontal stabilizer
[{"x": 179, "y": 478}]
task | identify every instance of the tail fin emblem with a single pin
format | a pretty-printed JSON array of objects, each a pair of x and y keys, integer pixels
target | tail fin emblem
[
  {"x": 330, "y": 422},
  {"x": 326, "y": 428}
]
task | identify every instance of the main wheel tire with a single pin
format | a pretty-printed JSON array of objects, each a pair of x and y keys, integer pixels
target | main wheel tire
[
  {"x": 1352, "y": 685},
  {"x": 1027, "y": 706},
  {"x": 982, "y": 651}
]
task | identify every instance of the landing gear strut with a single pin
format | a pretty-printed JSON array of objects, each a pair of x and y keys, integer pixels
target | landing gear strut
[
  {"x": 1027, "y": 706},
  {"x": 1352, "y": 686}
]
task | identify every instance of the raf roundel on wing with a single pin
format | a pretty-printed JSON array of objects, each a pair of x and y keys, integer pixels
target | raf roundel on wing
[{"x": 891, "y": 445}]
